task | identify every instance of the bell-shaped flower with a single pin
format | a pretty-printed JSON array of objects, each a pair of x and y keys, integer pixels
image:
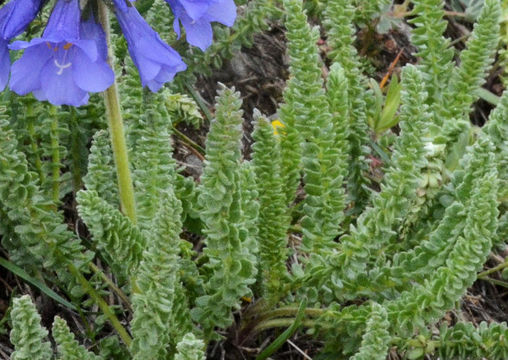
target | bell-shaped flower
[
  {"x": 14, "y": 18},
  {"x": 196, "y": 17},
  {"x": 67, "y": 62},
  {"x": 156, "y": 61}
]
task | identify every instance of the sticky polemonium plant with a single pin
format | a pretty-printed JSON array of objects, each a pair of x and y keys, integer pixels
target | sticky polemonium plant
[{"x": 69, "y": 61}]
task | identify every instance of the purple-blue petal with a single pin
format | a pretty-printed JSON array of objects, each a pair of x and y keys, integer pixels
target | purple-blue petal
[
  {"x": 20, "y": 45},
  {"x": 89, "y": 75},
  {"x": 90, "y": 30},
  {"x": 5, "y": 64},
  {"x": 89, "y": 48},
  {"x": 16, "y": 15},
  {"x": 176, "y": 27},
  {"x": 26, "y": 72},
  {"x": 196, "y": 16},
  {"x": 64, "y": 22},
  {"x": 194, "y": 8},
  {"x": 151, "y": 55},
  {"x": 223, "y": 12},
  {"x": 199, "y": 32}
]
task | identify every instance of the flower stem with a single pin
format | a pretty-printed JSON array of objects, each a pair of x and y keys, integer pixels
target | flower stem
[
  {"x": 33, "y": 143},
  {"x": 116, "y": 130},
  {"x": 55, "y": 155},
  {"x": 111, "y": 285},
  {"x": 486, "y": 273},
  {"x": 106, "y": 310},
  {"x": 284, "y": 322}
]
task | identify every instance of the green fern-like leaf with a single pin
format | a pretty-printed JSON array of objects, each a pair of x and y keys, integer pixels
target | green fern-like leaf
[
  {"x": 273, "y": 221},
  {"x": 101, "y": 176},
  {"x": 341, "y": 34},
  {"x": 466, "y": 341},
  {"x": 114, "y": 233},
  {"x": 475, "y": 61},
  {"x": 27, "y": 334},
  {"x": 231, "y": 265},
  {"x": 434, "y": 49},
  {"x": 423, "y": 304},
  {"x": 190, "y": 348},
  {"x": 39, "y": 227},
  {"x": 377, "y": 225},
  {"x": 157, "y": 279},
  {"x": 67, "y": 346},
  {"x": 154, "y": 166},
  {"x": 497, "y": 129},
  {"x": 375, "y": 341}
]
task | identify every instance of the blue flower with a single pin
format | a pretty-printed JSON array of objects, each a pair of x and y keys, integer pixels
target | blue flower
[
  {"x": 5, "y": 64},
  {"x": 156, "y": 61},
  {"x": 14, "y": 18},
  {"x": 67, "y": 62},
  {"x": 196, "y": 16}
]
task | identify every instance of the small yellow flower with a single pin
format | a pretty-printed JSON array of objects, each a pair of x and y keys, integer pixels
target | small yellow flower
[{"x": 276, "y": 124}]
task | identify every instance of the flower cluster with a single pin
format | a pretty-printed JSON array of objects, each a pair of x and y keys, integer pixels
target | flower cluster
[{"x": 69, "y": 60}]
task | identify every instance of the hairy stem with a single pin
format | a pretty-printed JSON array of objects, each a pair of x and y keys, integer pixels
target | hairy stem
[
  {"x": 111, "y": 285},
  {"x": 106, "y": 310},
  {"x": 116, "y": 130},
  {"x": 33, "y": 142},
  {"x": 291, "y": 311},
  {"x": 55, "y": 156},
  {"x": 275, "y": 323}
]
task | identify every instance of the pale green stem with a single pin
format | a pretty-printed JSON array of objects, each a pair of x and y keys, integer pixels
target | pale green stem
[
  {"x": 33, "y": 142},
  {"x": 290, "y": 311},
  {"x": 111, "y": 285},
  {"x": 106, "y": 310},
  {"x": 499, "y": 267},
  {"x": 276, "y": 323},
  {"x": 55, "y": 156},
  {"x": 116, "y": 131}
]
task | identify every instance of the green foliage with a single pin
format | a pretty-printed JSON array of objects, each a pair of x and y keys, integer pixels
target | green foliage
[
  {"x": 380, "y": 252},
  {"x": 67, "y": 346},
  {"x": 230, "y": 266},
  {"x": 464, "y": 341},
  {"x": 273, "y": 220},
  {"x": 434, "y": 49},
  {"x": 33, "y": 218},
  {"x": 190, "y": 348},
  {"x": 101, "y": 176},
  {"x": 377, "y": 225},
  {"x": 338, "y": 19},
  {"x": 184, "y": 109},
  {"x": 376, "y": 338},
  {"x": 27, "y": 334},
  {"x": 157, "y": 280},
  {"x": 475, "y": 61},
  {"x": 497, "y": 128},
  {"x": 152, "y": 160},
  {"x": 307, "y": 112},
  {"x": 250, "y": 206},
  {"x": 112, "y": 231},
  {"x": 367, "y": 9},
  {"x": 449, "y": 282},
  {"x": 384, "y": 116}
]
